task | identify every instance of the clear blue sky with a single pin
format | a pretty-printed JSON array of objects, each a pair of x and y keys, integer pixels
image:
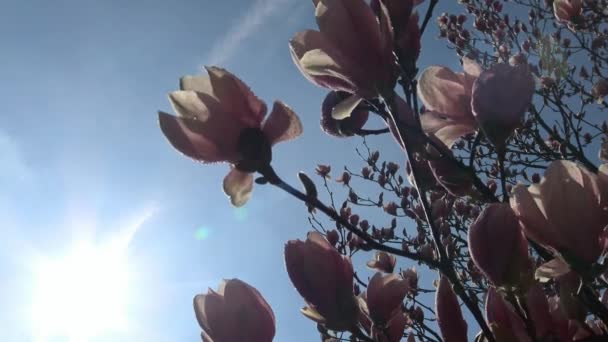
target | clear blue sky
[{"x": 81, "y": 155}]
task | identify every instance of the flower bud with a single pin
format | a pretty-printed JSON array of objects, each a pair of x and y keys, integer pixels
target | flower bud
[
  {"x": 235, "y": 304},
  {"x": 452, "y": 325},
  {"x": 383, "y": 262},
  {"x": 498, "y": 247},
  {"x": 501, "y": 96},
  {"x": 324, "y": 278}
]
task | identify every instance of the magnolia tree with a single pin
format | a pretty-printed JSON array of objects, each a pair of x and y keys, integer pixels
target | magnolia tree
[{"x": 501, "y": 183}]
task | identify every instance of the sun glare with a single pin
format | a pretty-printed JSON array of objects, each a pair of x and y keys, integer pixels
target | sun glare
[{"x": 82, "y": 294}]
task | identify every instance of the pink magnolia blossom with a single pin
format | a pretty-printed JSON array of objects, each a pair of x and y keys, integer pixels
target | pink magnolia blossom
[
  {"x": 385, "y": 294},
  {"x": 498, "y": 247},
  {"x": 219, "y": 119},
  {"x": 505, "y": 324},
  {"x": 389, "y": 331},
  {"x": 567, "y": 11},
  {"x": 383, "y": 262},
  {"x": 566, "y": 211},
  {"x": 324, "y": 278},
  {"x": 500, "y": 98},
  {"x": 452, "y": 325},
  {"x": 351, "y": 52},
  {"x": 236, "y": 312},
  {"x": 446, "y": 96}
]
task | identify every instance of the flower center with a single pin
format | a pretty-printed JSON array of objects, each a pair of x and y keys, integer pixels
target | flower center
[{"x": 255, "y": 150}]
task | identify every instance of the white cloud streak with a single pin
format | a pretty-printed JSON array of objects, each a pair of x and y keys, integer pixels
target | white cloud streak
[{"x": 248, "y": 25}]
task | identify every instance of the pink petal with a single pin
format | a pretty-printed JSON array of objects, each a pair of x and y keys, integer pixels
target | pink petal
[
  {"x": 198, "y": 83},
  {"x": 282, "y": 124},
  {"x": 524, "y": 202},
  {"x": 500, "y": 98},
  {"x": 497, "y": 246},
  {"x": 238, "y": 186},
  {"x": 506, "y": 322},
  {"x": 570, "y": 198},
  {"x": 351, "y": 26},
  {"x": 385, "y": 294},
  {"x": 538, "y": 307},
  {"x": 248, "y": 310},
  {"x": 446, "y": 129},
  {"x": 188, "y": 104},
  {"x": 216, "y": 126},
  {"x": 449, "y": 316},
  {"x": 236, "y": 98},
  {"x": 321, "y": 63},
  {"x": 551, "y": 269},
  {"x": 444, "y": 91},
  {"x": 209, "y": 311},
  {"x": 187, "y": 136},
  {"x": 345, "y": 107},
  {"x": 472, "y": 70}
]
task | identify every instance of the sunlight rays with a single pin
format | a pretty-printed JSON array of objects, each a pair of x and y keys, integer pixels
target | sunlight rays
[{"x": 86, "y": 292}]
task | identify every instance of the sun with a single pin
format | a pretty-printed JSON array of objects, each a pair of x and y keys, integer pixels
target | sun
[{"x": 82, "y": 294}]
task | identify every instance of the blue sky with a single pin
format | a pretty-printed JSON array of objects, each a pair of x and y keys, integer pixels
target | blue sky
[{"x": 82, "y": 157}]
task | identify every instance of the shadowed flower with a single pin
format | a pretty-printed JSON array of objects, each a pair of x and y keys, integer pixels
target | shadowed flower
[
  {"x": 566, "y": 211},
  {"x": 498, "y": 247},
  {"x": 538, "y": 307},
  {"x": 351, "y": 52},
  {"x": 324, "y": 278},
  {"x": 452, "y": 325},
  {"x": 446, "y": 96},
  {"x": 219, "y": 119},
  {"x": 236, "y": 312},
  {"x": 502, "y": 319},
  {"x": 346, "y": 127},
  {"x": 383, "y": 262},
  {"x": 405, "y": 26},
  {"x": 501, "y": 96},
  {"x": 567, "y": 11}
]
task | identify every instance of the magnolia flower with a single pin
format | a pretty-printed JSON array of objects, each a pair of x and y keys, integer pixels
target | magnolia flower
[
  {"x": 567, "y": 10},
  {"x": 452, "y": 325},
  {"x": 446, "y": 96},
  {"x": 505, "y": 324},
  {"x": 501, "y": 96},
  {"x": 566, "y": 211},
  {"x": 351, "y": 52},
  {"x": 324, "y": 278},
  {"x": 385, "y": 294},
  {"x": 236, "y": 312},
  {"x": 498, "y": 247},
  {"x": 346, "y": 127},
  {"x": 383, "y": 262},
  {"x": 389, "y": 331},
  {"x": 219, "y": 119}
]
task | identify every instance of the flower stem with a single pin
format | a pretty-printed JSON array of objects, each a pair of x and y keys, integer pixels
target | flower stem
[
  {"x": 446, "y": 267},
  {"x": 275, "y": 180}
]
